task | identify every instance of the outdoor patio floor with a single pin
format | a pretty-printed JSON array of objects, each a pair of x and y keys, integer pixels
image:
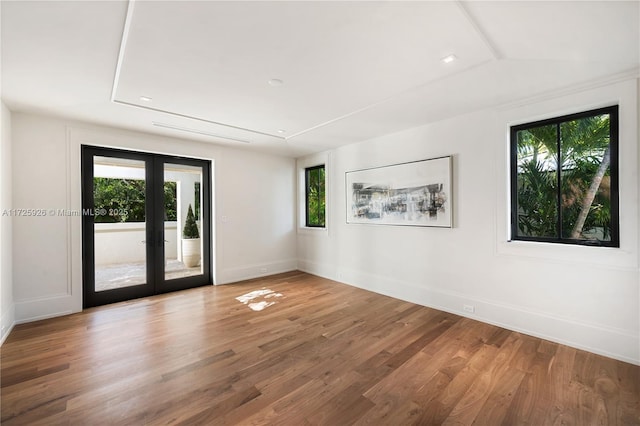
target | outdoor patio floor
[{"x": 121, "y": 275}]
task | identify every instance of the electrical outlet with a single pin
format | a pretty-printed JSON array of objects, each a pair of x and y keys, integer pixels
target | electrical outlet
[
  {"x": 263, "y": 269},
  {"x": 469, "y": 308}
]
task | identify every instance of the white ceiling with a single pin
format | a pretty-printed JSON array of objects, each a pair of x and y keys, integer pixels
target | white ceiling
[{"x": 351, "y": 70}]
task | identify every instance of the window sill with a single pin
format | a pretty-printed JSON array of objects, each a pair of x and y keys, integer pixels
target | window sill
[
  {"x": 609, "y": 257},
  {"x": 312, "y": 230},
  {"x": 580, "y": 243}
]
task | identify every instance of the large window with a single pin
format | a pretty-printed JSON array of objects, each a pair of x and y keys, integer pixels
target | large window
[
  {"x": 314, "y": 196},
  {"x": 564, "y": 179}
]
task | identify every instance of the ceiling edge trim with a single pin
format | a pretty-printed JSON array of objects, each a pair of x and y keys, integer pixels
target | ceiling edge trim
[
  {"x": 575, "y": 88},
  {"x": 196, "y": 131},
  {"x": 481, "y": 34},
  {"x": 202, "y": 120},
  {"x": 123, "y": 47}
]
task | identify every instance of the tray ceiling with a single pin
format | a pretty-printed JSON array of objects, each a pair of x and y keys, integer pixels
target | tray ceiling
[{"x": 298, "y": 77}]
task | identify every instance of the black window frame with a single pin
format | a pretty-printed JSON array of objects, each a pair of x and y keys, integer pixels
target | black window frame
[
  {"x": 613, "y": 112},
  {"x": 307, "y": 172}
]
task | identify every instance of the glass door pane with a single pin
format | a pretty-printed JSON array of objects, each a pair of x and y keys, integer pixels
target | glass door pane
[
  {"x": 120, "y": 246},
  {"x": 183, "y": 225}
]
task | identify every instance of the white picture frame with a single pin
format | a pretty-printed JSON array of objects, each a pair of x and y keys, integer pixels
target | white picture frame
[{"x": 417, "y": 193}]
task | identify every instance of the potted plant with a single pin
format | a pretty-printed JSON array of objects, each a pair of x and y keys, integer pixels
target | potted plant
[{"x": 190, "y": 241}]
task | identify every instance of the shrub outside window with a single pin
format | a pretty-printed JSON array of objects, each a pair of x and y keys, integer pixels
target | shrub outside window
[
  {"x": 564, "y": 179},
  {"x": 315, "y": 196}
]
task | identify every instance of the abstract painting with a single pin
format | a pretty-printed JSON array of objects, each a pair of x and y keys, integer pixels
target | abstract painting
[{"x": 410, "y": 194}]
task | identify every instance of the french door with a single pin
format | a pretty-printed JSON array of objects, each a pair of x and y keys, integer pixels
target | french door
[{"x": 146, "y": 224}]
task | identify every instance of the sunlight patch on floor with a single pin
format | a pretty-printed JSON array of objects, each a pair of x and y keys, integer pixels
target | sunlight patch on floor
[{"x": 265, "y": 294}]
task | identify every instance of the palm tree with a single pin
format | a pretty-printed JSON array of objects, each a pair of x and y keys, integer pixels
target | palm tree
[
  {"x": 589, "y": 148},
  {"x": 584, "y": 159}
]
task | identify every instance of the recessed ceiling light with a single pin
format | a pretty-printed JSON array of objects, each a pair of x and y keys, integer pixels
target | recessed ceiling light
[
  {"x": 145, "y": 99},
  {"x": 282, "y": 131},
  {"x": 449, "y": 58},
  {"x": 275, "y": 82}
]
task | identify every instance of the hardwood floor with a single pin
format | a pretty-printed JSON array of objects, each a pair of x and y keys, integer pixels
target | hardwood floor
[{"x": 323, "y": 353}]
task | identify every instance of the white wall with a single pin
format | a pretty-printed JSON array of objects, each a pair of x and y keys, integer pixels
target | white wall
[
  {"x": 586, "y": 297},
  {"x": 7, "y": 310},
  {"x": 254, "y": 209},
  {"x": 118, "y": 243}
]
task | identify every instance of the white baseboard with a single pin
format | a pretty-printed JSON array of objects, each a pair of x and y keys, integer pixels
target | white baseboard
[
  {"x": 65, "y": 304},
  {"x": 614, "y": 343},
  {"x": 247, "y": 272},
  {"x": 8, "y": 321},
  {"x": 46, "y": 307}
]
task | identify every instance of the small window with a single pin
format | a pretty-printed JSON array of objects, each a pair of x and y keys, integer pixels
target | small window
[
  {"x": 564, "y": 179},
  {"x": 315, "y": 196}
]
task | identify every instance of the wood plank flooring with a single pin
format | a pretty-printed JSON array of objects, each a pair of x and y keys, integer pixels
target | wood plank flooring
[{"x": 324, "y": 353}]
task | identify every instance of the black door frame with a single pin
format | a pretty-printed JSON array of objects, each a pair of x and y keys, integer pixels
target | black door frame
[{"x": 154, "y": 211}]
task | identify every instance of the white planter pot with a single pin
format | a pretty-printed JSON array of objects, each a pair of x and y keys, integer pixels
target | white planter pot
[{"x": 191, "y": 252}]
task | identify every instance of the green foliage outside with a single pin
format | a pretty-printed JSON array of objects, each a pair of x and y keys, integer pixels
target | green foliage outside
[
  {"x": 170, "y": 200},
  {"x": 196, "y": 206},
  {"x": 585, "y": 197},
  {"x": 123, "y": 200},
  {"x": 190, "y": 229},
  {"x": 315, "y": 197}
]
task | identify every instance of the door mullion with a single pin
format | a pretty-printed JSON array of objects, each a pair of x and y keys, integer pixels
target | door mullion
[
  {"x": 157, "y": 214},
  {"x": 150, "y": 222}
]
